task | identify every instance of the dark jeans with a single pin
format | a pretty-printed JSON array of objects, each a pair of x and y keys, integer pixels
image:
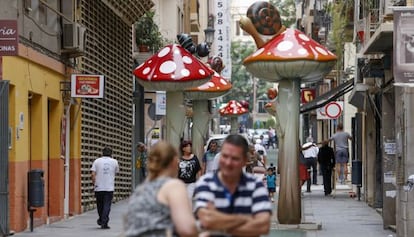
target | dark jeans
[
  {"x": 327, "y": 177},
  {"x": 103, "y": 204},
  {"x": 313, "y": 163}
]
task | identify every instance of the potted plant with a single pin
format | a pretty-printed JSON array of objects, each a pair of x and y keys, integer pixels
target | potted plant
[{"x": 148, "y": 36}]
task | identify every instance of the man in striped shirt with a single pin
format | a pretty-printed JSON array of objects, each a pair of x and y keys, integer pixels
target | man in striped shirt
[{"x": 230, "y": 199}]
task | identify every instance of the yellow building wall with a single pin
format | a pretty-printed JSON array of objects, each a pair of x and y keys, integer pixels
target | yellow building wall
[{"x": 35, "y": 112}]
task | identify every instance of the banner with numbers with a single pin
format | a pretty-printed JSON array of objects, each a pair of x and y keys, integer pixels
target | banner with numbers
[{"x": 222, "y": 41}]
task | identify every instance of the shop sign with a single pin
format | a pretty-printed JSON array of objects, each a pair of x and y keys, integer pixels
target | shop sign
[
  {"x": 403, "y": 45},
  {"x": 307, "y": 95},
  {"x": 87, "y": 86},
  {"x": 9, "y": 38}
]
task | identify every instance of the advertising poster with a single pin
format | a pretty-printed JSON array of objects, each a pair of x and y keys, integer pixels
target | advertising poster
[
  {"x": 161, "y": 103},
  {"x": 222, "y": 42},
  {"x": 403, "y": 44},
  {"x": 87, "y": 86}
]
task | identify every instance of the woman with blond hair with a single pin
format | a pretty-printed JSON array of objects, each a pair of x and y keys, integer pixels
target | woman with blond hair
[{"x": 160, "y": 206}]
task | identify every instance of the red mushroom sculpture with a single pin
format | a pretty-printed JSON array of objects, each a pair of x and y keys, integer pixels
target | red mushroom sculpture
[
  {"x": 233, "y": 109},
  {"x": 289, "y": 57},
  {"x": 216, "y": 87},
  {"x": 173, "y": 69}
]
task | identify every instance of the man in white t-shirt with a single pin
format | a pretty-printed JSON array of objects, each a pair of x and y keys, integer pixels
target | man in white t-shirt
[
  {"x": 104, "y": 170},
  {"x": 310, "y": 152}
]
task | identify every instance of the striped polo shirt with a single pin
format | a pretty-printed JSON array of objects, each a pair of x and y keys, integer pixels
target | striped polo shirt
[{"x": 250, "y": 197}]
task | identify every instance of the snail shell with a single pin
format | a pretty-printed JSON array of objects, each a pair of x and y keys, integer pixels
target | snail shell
[{"x": 265, "y": 18}]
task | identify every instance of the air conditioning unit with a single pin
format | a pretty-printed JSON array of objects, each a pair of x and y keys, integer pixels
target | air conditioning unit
[{"x": 73, "y": 39}]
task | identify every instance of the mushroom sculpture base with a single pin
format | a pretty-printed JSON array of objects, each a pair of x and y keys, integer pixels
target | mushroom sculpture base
[
  {"x": 289, "y": 211},
  {"x": 201, "y": 117},
  {"x": 175, "y": 116}
]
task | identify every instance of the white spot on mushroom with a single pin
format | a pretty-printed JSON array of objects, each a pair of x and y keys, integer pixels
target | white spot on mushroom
[
  {"x": 210, "y": 84},
  {"x": 155, "y": 76},
  {"x": 224, "y": 82},
  {"x": 172, "y": 76},
  {"x": 329, "y": 52},
  {"x": 168, "y": 67},
  {"x": 146, "y": 70},
  {"x": 321, "y": 50},
  {"x": 176, "y": 51},
  {"x": 269, "y": 53},
  {"x": 304, "y": 37},
  {"x": 185, "y": 72},
  {"x": 303, "y": 43},
  {"x": 187, "y": 60},
  {"x": 150, "y": 61},
  {"x": 202, "y": 72},
  {"x": 284, "y": 46},
  {"x": 259, "y": 51},
  {"x": 164, "y": 52},
  {"x": 203, "y": 87},
  {"x": 314, "y": 53},
  {"x": 302, "y": 51}
]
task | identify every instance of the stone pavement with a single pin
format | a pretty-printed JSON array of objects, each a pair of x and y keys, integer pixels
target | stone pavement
[{"x": 341, "y": 216}]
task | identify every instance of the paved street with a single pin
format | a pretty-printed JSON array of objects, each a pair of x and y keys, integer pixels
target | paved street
[{"x": 339, "y": 217}]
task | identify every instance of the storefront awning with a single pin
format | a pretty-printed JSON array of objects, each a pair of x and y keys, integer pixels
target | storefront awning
[{"x": 324, "y": 99}]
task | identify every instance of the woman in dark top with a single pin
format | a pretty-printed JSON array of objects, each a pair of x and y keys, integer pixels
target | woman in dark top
[{"x": 189, "y": 168}]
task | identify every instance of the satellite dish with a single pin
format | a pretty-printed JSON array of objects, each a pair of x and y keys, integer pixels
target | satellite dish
[{"x": 151, "y": 113}]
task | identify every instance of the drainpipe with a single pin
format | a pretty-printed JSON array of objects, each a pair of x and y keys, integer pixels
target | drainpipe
[{"x": 67, "y": 160}]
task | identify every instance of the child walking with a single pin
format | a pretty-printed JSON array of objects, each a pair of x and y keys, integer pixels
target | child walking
[{"x": 271, "y": 183}]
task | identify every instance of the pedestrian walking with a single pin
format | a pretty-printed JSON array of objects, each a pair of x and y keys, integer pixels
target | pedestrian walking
[
  {"x": 271, "y": 183},
  {"x": 160, "y": 206},
  {"x": 141, "y": 160},
  {"x": 341, "y": 151},
  {"x": 310, "y": 152},
  {"x": 208, "y": 158},
  {"x": 303, "y": 169},
  {"x": 326, "y": 159},
  {"x": 260, "y": 149},
  {"x": 230, "y": 199},
  {"x": 189, "y": 168},
  {"x": 104, "y": 170}
]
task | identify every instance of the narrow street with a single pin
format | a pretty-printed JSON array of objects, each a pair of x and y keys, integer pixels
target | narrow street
[{"x": 341, "y": 216}]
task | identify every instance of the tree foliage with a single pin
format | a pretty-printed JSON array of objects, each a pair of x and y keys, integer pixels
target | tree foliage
[
  {"x": 287, "y": 10},
  {"x": 241, "y": 79}
]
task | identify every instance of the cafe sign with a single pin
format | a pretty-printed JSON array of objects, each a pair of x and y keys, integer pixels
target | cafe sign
[
  {"x": 87, "y": 86},
  {"x": 9, "y": 38}
]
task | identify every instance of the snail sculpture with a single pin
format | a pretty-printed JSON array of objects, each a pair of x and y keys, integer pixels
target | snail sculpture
[{"x": 263, "y": 22}]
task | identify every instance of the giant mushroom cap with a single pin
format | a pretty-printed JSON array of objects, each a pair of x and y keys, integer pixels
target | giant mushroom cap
[
  {"x": 172, "y": 69},
  {"x": 233, "y": 109},
  {"x": 291, "y": 54},
  {"x": 216, "y": 87}
]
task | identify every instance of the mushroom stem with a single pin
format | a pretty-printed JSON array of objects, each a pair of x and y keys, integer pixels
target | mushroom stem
[
  {"x": 201, "y": 116},
  {"x": 289, "y": 211},
  {"x": 175, "y": 116},
  {"x": 233, "y": 124}
]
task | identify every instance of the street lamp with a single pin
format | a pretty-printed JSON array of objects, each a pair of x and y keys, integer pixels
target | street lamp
[
  {"x": 209, "y": 31},
  {"x": 209, "y": 34}
]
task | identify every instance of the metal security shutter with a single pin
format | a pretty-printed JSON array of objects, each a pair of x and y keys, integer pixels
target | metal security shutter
[{"x": 108, "y": 121}]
